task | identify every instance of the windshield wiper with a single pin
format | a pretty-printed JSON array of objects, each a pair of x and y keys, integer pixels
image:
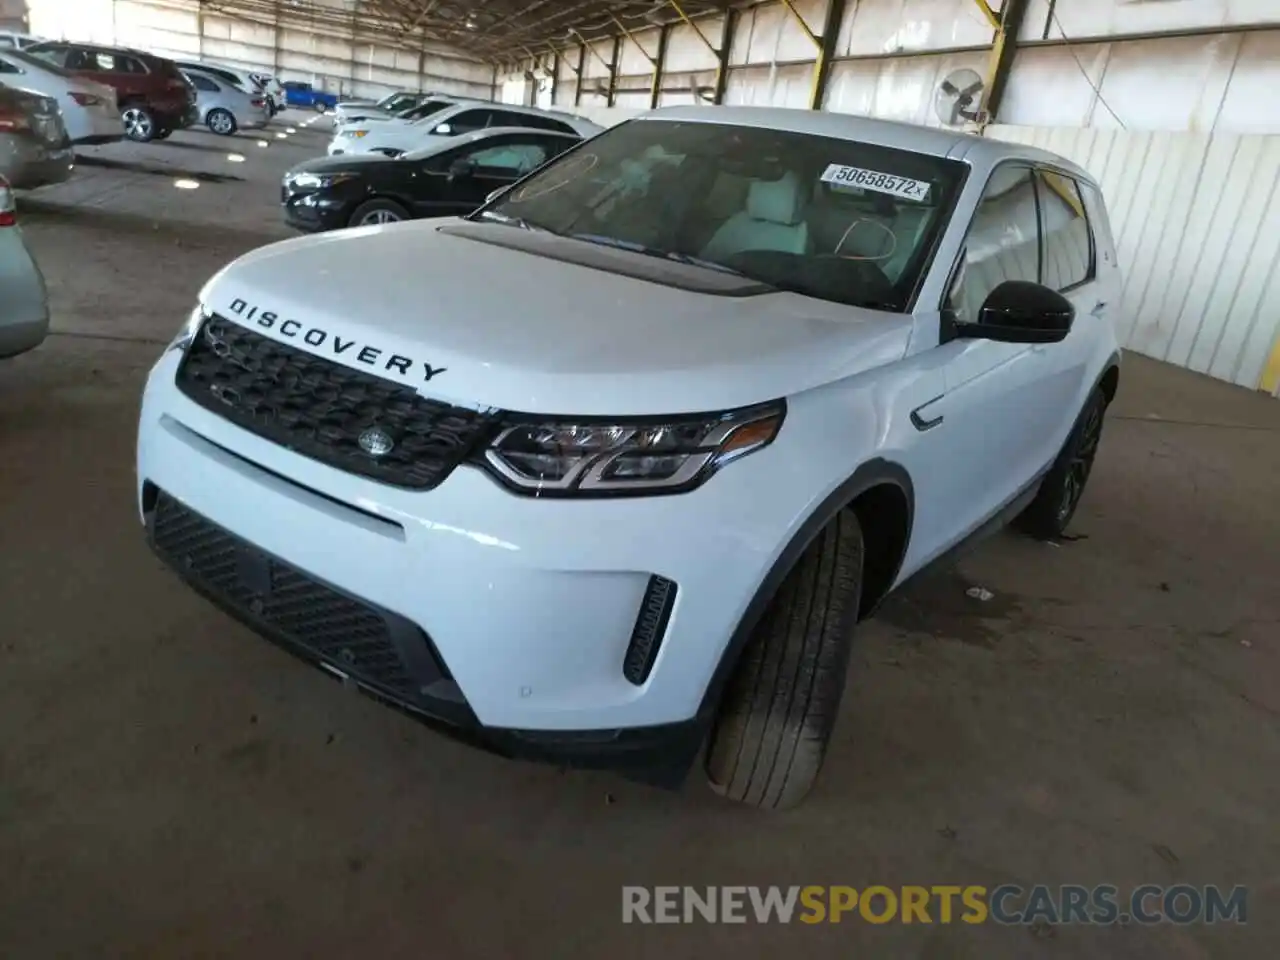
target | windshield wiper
[
  {"x": 663, "y": 254},
  {"x": 520, "y": 222}
]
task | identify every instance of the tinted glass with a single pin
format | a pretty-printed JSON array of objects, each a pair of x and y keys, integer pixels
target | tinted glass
[
  {"x": 830, "y": 218},
  {"x": 509, "y": 159},
  {"x": 202, "y": 83},
  {"x": 6, "y": 67},
  {"x": 424, "y": 110},
  {"x": 1068, "y": 248},
  {"x": 1003, "y": 241},
  {"x": 466, "y": 121}
]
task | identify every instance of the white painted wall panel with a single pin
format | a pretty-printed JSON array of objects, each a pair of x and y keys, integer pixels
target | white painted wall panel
[
  {"x": 1250, "y": 103},
  {"x": 686, "y": 51},
  {"x": 901, "y": 88},
  {"x": 784, "y": 86},
  {"x": 1080, "y": 19},
  {"x": 1219, "y": 82},
  {"x": 632, "y": 59},
  {"x": 892, "y": 26},
  {"x": 1197, "y": 225},
  {"x": 598, "y": 59},
  {"x": 769, "y": 33}
]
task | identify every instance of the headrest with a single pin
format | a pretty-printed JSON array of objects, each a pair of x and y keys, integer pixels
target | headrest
[{"x": 776, "y": 201}]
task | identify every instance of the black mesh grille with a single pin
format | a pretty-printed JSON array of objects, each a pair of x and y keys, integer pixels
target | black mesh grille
[
  {"x": 320, "y": 408},
  {"x": 337, "y": 628},
  {"x": 651, "y": 625}
]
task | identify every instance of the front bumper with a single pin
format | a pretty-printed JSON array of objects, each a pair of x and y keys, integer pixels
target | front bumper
[
  {"x": 530, "y": 605},
  {"x": 314, "y": 212},
  {"x": 380, "y": 653}
]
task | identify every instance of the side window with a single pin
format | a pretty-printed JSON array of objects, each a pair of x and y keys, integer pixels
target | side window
[
  {"x": 1068, "y": 249},
  {"x": 7, "y": 67},
  {"x": 80, "y": 60},
  {"x": 202, "y": 83},
  {"x": 106, "y": 63},
  {"x": 463, "y": 122},
  {"x": 1003, "y": 241},
  {"x": 510, "y": 160},
  {"x": 508, "y": 118}
]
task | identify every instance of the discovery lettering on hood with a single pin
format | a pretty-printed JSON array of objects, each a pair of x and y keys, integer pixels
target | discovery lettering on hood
[{"x": 318, "y": 339}]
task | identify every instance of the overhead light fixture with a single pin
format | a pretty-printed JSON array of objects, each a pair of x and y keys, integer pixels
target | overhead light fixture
[
  {"x": 187, "y": 184},
  {"x": 235, "y": 157}
]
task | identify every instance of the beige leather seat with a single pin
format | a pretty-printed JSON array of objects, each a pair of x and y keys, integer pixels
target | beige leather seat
[{"x": 772, "y": 220}]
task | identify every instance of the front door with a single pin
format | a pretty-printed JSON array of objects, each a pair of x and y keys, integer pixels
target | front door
[{"x": 995, "y": 426}]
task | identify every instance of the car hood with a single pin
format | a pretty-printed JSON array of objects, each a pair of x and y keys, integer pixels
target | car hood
[
  {"x": 447, "y": 308},
  {"x": 357, "y": 161}
]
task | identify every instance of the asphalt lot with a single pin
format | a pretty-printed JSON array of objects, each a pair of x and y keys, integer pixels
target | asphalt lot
[{"x": 170, "y": 785}]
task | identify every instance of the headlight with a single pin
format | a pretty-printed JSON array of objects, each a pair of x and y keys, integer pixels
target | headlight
[
  {"x": 318, "y": 181},
  {"x": 187, "y": 334},
  {"x": 611, "y": 458}
]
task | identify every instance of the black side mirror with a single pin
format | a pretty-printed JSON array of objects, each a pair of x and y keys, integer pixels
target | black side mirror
[
  {"x": 1019, "y": 311},
  {"x": 461, "y": 168}
]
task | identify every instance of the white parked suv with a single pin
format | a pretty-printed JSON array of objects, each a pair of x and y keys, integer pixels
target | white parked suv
[
  {"x": 395, "y": 137},
  {"x": 616, "y": 464}
]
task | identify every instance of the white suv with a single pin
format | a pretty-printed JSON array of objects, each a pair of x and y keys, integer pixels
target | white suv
[
  {"x": 618, "y": 462},
  {"x": 395, "y": 136}
]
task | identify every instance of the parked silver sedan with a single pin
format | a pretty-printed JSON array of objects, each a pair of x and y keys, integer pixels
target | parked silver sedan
[
  {"x": 225, "y": 108},
  {"x": 24, "y": 305},
  {"x": 34, "y": 147}
]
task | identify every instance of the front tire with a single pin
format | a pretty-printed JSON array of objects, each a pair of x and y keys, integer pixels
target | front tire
[
  {"x": 221, "y": 122},
  {"x": 776, "y": 716},
  {"x": 378, "y": 211},
  {"x": 319, "y": 108},
  {"x": 139, "y": 123},
  {"x": 1047, "y": 516}
]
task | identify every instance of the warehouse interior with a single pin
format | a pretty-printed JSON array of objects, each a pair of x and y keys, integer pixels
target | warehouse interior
[{"x": 1102, "y": 710}]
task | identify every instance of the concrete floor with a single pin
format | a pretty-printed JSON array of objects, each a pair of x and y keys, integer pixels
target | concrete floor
[{"x": 172, "y": 786}]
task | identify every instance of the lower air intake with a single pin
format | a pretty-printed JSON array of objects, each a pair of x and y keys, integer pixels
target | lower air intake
[{"x": 651, "y": 626}]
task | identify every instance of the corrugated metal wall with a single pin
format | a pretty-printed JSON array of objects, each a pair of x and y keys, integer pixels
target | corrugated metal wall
[{"x": 1197, "y": 222}]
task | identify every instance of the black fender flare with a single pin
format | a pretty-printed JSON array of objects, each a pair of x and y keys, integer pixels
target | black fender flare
[{"x": 871, "y": 474}]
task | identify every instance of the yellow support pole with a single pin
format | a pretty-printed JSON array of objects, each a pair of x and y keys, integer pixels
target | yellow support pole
[{"x": 993, "y": 18}]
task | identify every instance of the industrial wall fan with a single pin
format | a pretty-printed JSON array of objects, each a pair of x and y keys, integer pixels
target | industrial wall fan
[{"x": 959, "y": 97}]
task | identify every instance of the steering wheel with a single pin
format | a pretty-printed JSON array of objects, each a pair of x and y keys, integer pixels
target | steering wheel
[{"x": 893, "y": 241}]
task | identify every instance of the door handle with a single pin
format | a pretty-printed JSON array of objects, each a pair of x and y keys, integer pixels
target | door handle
[
  {"x": 924, "y": 422},
  {"x": 1098, "y": 308}
]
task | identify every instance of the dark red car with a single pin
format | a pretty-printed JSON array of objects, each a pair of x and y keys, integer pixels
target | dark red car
[{"x": 154, "y": 97}]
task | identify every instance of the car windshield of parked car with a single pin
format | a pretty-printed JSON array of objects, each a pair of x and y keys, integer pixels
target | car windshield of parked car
[{"x": 835, "y": 219}]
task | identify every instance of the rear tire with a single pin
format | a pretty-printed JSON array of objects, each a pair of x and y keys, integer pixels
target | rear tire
[
  {"x": 221, "y": 122},
  {"x": 776, "y": 716},
  {"x": 1047, "y": 516},
  {"x": 320, "y": 108},
  {"x": 139, "y": 123},
  {"x": 378, "y": 211}
]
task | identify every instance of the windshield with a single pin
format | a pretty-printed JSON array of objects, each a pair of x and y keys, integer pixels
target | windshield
[{"x": 835, "y": 219}]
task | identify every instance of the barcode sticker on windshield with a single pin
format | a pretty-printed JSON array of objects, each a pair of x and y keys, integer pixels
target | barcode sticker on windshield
[{"x": 904, "y": 187}]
